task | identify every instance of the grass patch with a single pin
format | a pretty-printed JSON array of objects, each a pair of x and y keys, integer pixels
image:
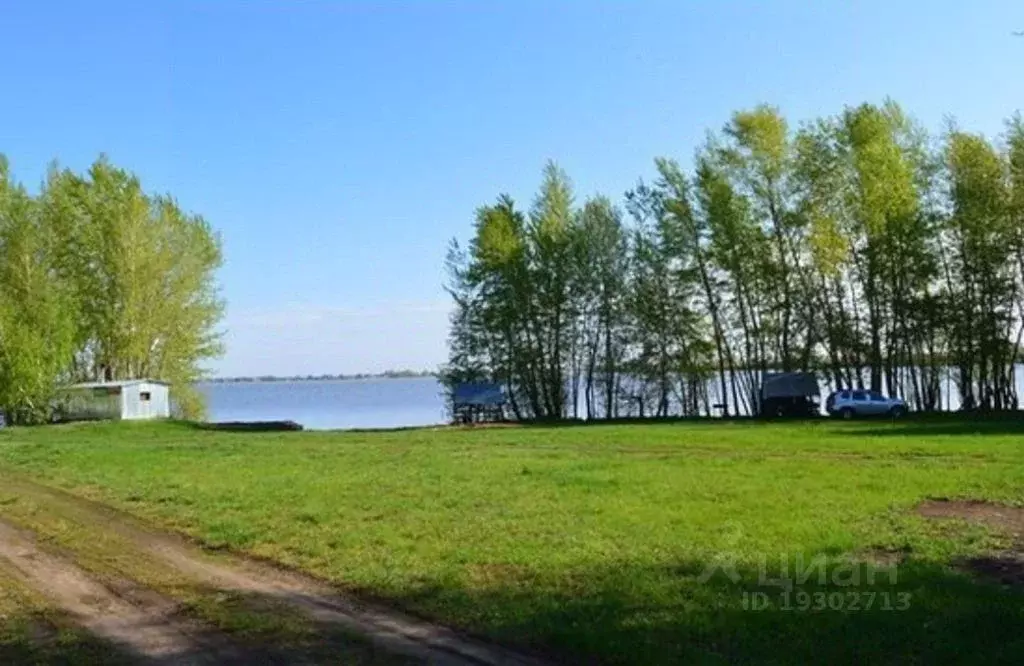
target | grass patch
[{"x": 590, "y": 542}]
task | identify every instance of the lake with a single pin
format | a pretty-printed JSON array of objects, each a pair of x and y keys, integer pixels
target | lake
[
  {"x": 323, "y": 405},
  {"x": 379, "y": 403}
]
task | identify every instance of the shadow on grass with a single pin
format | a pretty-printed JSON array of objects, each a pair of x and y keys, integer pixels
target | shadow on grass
[
  {"x": 649, "y": 615},
  {"x": 260, "y": 628},
  {"x": 1010, "y": 421},
  {"x": 938, "y": 423},
  {"x": 255, "y": 629},
  {"x": 35, "y": 638},
  {"x": 649, "y": 420},
  {"x": 954, "y": 423},
  {"x": 665, "y": 615}
]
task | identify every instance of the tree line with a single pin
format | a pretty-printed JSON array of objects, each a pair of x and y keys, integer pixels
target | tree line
[
  {"x": 857, "y": 246},
  {"x": 100, "y": 280}
]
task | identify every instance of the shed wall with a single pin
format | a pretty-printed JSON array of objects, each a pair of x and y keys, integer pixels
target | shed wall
[
  {"x": 134, "y": 407},
  {"x": 93, "y": 403}
]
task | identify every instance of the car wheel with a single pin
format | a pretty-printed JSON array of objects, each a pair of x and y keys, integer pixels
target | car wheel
[
  {"x": 898, "y": 412},
  {"x": 846, "y": 413}
]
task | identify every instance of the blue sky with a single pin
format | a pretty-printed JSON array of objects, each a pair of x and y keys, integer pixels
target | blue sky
[{"x": 337, "y": 147}]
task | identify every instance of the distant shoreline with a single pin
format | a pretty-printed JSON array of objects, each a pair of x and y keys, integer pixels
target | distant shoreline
[{"x": 266, "y": 379}]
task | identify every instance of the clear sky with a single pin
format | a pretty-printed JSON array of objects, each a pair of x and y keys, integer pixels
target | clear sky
[{"x": 337, "y": 147}]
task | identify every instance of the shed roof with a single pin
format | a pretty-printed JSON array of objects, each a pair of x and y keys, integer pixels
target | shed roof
[
  {"x": 116, "y": 384},
  {"x": 789, "y": 384},
  {"x": 478, "y": 393}
]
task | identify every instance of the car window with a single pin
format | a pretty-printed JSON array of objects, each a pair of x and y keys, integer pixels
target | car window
[
  {"x": 860, "y": 395},
  {"x": 877, "y": 397},
  {"x": 845, "y": 395}
]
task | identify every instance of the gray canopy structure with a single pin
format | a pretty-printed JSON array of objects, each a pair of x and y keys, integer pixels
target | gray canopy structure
[
  {"x": 474, "y": 402},
  {"x": 790, "y": 394}
]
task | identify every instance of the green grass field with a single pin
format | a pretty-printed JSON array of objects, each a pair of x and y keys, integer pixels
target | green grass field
[{"x": 588, "y": 543}]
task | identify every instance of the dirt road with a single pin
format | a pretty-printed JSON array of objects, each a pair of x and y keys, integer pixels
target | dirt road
[{"x": 157, "y": 598}]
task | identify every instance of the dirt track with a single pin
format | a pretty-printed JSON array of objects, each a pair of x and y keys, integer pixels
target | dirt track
[
  {"x": 150, "y": 626},
  {"x": 148, "y": 630}
]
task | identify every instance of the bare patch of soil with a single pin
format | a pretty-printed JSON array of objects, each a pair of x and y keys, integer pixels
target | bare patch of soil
[
  {"x": 1007, "y": 519},
  {"x": 1006, "y": 566}
]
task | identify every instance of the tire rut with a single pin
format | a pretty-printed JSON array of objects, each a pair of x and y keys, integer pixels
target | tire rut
[
  {"x": 394, "y": 632},
  {"x": 147, "y": 630}
]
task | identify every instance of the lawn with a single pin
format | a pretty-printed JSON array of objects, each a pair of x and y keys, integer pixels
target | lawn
[{"x": 588, "y": 543}]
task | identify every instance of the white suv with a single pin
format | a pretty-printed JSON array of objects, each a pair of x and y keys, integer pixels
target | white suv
[{"x": 848, "y": 404}]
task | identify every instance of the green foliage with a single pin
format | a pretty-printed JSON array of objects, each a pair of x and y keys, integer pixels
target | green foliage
[
  {"x": 37, "y": 311},
  {"x": 982, "y": 285},
  {"x": 102, "y": 281},
  {"x": 855, "y": 247},
  {"x": 517, "y": 301}
]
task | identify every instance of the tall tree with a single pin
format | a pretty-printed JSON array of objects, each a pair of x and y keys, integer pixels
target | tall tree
[
  {"x": 37, "y": 313},
  {"x": 757, "y": 155},
  {"x": 602, "y": 265},
  {"x": 551, "y": 234},
  {"x": 981, "y": 285},
  {"x": 143, "y": 272}
]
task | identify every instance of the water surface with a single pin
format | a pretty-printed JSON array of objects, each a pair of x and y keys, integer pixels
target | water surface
[{"x": 357, "y": 403}]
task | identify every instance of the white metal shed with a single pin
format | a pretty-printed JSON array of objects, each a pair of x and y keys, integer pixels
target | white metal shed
[{"x": 131, "y": 399}]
